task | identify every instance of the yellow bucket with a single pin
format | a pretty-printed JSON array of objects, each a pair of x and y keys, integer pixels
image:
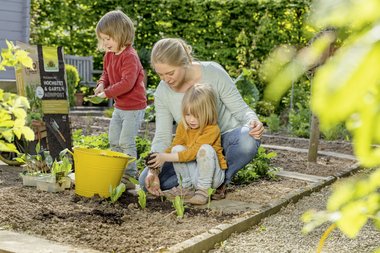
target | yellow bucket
[{"x": 96, "y": 170}]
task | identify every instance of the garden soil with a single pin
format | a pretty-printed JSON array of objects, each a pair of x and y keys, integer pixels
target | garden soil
[{"x": 124, "y": 227}]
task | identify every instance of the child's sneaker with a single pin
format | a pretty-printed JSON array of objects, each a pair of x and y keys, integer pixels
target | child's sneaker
[
  {"x": 185, "y": 193},
  {"x": 200, "y": 197},
  {"x": 220, "y": 193}
]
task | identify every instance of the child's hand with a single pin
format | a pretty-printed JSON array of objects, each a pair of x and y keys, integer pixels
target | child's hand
[
  {"x": 99, "y": 89},
  {"x": 101, "y": 95},
  {"x": 157, "y": 160},
  {"x": 149, "y": 160}
]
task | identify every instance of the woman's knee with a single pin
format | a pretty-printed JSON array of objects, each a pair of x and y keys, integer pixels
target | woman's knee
[{"x": 247, "y": 143}]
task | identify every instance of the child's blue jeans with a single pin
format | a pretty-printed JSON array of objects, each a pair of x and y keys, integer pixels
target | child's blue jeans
[{"x": 123, "y": 130}]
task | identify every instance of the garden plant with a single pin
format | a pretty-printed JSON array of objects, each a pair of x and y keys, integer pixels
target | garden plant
[
  {"x": 337, "y": 98},
  {"x": 13, "y": 108}
]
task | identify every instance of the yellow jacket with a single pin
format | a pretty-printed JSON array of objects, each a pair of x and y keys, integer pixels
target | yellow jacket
[{"x": 193, "y": 139}]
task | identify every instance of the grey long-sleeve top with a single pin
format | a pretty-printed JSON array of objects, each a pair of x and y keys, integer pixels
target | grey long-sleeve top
[{"x": 233, "y": 112}]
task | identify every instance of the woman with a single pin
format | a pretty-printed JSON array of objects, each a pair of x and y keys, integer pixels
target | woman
[{"x": 240, "y": 127}]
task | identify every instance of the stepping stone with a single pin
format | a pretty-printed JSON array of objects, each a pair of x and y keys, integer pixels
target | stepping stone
[
  {"x": 300, "y": 176},
  {"x": 22, "y": 243},
  {"x": 303, "y": 150}
]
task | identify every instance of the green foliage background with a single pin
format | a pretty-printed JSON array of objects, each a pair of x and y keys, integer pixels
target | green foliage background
[{"x": 237, "y": 34}]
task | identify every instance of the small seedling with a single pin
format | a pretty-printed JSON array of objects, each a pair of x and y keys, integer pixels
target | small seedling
[
  {"x": 60, "y": 169},
  {"x": 179, "y": 207},
  {"x": 141, "y": 193},
  {"x": 38, "y": 163},
  {"x": 210, "y": 191},
  {"x": 133, "y": 180},
  {"x": 142, "y": 198},
  {"x": 115, "y": 193}
]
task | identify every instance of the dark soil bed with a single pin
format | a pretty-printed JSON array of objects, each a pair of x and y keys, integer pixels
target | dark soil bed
[{"x": 124, "y": 227}]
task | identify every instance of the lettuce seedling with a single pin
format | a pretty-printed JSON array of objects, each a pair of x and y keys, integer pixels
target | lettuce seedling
[
  {"x": 116, "y": 192},
  {"x": 210, "y": 191},
  {"x": 142, "y": 198},
  {"x": 179, "y": 207},
  {"x": 141, "y": 193}
]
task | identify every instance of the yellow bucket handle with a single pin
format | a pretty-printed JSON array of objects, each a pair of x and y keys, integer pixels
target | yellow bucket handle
[{"x": 132, "y": 159}]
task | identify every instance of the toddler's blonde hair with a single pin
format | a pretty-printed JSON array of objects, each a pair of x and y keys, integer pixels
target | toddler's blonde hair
[
  {"x": 200, "y": 101},
  {"x": 118, "y": 26}
]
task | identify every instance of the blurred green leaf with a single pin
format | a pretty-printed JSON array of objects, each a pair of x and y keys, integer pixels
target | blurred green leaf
[{"x": 94, "y": 99}]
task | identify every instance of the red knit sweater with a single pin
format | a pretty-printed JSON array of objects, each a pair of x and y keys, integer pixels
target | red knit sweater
[{"x": 123, "y": 77}]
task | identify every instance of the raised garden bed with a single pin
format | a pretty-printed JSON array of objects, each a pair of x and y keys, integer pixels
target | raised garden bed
[{"x": 124, "y": 227}]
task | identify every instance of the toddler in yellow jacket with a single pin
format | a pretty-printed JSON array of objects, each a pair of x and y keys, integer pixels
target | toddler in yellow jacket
[{"x": 196, "y": 151}]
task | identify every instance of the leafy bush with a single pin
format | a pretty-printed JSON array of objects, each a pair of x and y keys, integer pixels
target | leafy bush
[
  {"x": 273, "y": 22},
  {"x": 247, "y": 87},
  {"x": 264, "y": 108},
  {"x": 90, "y": 141},
  {"x": 144, "y": 55},
  {"x": 338, "y": 132},
  {"x": 273, "y": 122},
  {"x": 258, "y": 168},
  {"x": 35, "y": 110},
  {"x": 13, "y": 118},
  {"x": 143, "y": 148},
  {"x": 72, "y": 78},
  {"x": 299, "y": 121}
]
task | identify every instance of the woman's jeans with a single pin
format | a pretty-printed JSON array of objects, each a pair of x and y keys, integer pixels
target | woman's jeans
[
  {"x": 202, "y": 173},
  {"x": 123, "y": 130},
  {"x": 239, "y": 149}
]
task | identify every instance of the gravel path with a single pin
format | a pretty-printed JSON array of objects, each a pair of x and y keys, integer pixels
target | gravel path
[{"x": 282, "y": 233}]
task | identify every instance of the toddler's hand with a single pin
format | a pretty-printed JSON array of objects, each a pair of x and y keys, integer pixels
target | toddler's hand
[
  {"x": 149, "y": 160},
  {"x": 99, "y": 89},
  {"x": 158, "y": 160},
  {"x": 101, "y": 95}
]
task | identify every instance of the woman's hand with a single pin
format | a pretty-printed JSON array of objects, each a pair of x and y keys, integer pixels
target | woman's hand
[
  {"x": 152, "y": 183},
  {"x": 257, "y": 129}
]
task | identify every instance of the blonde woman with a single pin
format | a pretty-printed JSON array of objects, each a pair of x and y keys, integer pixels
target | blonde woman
[
  {"x": 240, "y": 127},
  {"x": 196, "y": 150}
]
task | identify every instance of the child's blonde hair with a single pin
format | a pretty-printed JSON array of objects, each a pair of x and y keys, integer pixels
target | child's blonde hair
[
  {"x": 118, "y": 26},
  {"x": 172, "y": 51},
  {"x": 200, "y": 101}
]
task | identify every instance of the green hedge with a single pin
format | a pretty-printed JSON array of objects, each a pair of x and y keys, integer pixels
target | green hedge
[{"x": 237, "y": 34}]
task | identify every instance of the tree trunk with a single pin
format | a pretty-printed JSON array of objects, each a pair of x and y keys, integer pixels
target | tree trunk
[{"x": 314, "y": 139}]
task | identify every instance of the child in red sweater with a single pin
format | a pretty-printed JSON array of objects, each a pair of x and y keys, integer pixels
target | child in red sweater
[{"x": 122, "y": 80}]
